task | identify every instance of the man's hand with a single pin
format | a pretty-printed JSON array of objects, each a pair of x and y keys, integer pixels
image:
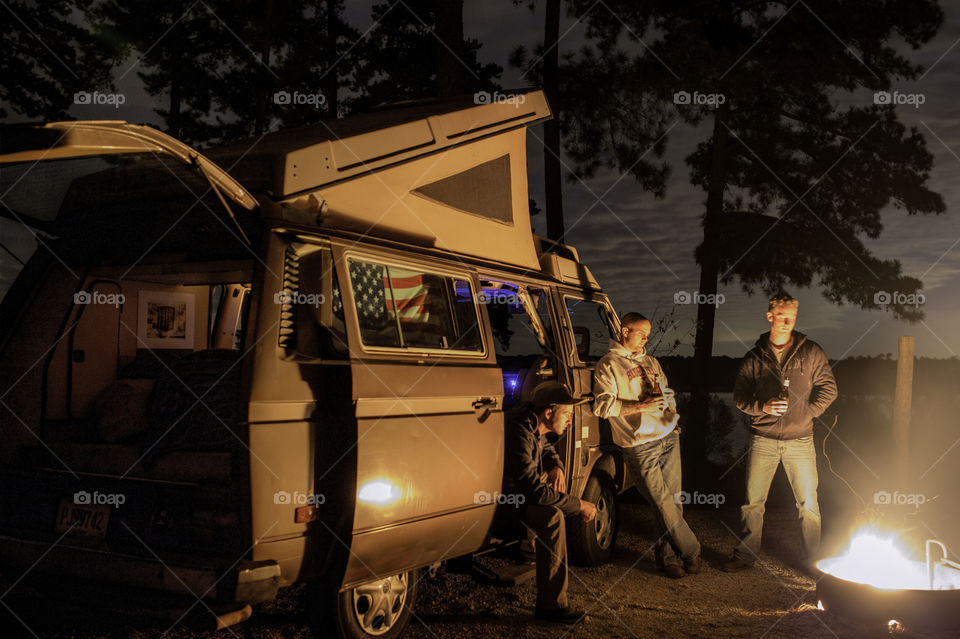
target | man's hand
[
  {"x": 775, "y": 406},
  {"x": 557, "y": 480},
  {"x": 656, "y": 403},
  {"x": 587, "y": 510}
]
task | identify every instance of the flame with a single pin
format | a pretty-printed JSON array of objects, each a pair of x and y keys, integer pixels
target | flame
[{"x": 877, "y": 560}]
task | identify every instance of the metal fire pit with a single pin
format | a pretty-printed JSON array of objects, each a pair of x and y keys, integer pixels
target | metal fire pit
[{"x": 913, "y": 608}]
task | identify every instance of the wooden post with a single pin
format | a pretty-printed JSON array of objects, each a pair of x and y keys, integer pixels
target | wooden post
[{"x": 902, "y": 400}]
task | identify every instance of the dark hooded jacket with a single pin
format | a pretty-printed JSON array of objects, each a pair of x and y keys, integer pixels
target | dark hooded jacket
[
  {"x": 527, "y": 455},
  {"x": 812, "y": 387}
]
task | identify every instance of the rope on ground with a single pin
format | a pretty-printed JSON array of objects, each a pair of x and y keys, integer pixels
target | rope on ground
[{"x": 835, "y": 473}]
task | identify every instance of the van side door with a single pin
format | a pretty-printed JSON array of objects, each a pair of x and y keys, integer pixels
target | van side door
[
  {"x": 428, "y": 398},
  {"x": 588, "y": 324}
]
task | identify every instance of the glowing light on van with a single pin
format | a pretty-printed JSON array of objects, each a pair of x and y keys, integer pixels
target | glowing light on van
[{"x": 379, "y": 491}]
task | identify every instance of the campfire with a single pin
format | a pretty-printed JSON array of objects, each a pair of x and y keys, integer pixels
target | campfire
[
  {"x": 876, "y": 580},
  {"x": 877, "y": 560}
]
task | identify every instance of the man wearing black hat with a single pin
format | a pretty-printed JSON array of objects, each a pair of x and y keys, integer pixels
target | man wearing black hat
[{"x": 529, "y": 457}]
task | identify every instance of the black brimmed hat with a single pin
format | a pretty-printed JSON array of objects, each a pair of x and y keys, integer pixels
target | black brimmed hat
[{"x": 549, "y": 394}]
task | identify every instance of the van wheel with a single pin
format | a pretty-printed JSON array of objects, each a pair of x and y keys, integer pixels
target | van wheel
[
  {"x": 380, "y": 608},
  {"x": 591, "y": 544}
]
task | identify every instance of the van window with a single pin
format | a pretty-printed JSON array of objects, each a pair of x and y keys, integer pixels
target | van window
[
  {"x": 592, "y": 330},
  {"x": 520, "y": 354},
  {"x": 399, "y": 307},
  {"x": 514, "y": 334}
]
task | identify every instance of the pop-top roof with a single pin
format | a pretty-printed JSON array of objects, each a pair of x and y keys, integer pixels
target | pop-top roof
[{"x": 305, "y": 158}]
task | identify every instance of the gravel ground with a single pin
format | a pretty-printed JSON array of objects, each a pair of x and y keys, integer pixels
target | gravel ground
[{"x": 625, "y": 598}]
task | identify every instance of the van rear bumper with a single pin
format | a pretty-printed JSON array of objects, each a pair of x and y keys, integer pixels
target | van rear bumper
[{"x": 245, "y": 581}]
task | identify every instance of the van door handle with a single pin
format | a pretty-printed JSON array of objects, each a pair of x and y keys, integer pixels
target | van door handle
[{"x": 485, "y": 402}]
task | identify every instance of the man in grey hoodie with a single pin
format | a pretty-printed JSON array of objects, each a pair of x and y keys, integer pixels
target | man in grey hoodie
[
  {"x": 632, "y": 394},
  {"x": 784, "y": 382}
]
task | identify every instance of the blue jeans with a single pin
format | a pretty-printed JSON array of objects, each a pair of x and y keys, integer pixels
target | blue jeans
[
  {"x": 655, "y": 467},
  {"x": 799, "y": 458}
]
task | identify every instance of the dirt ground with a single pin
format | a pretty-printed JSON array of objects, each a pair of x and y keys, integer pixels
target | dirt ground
[{"x": 626, "y": 598}]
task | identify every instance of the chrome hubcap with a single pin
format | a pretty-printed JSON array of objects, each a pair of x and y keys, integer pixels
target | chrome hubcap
[
  {"x": 604, "y": 522},
  {"x": 378, "y": 604}
]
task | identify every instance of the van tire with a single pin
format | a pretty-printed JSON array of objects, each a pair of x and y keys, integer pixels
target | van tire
[
  {"x": 358, "y": 613},
  {"x": 592, "y": 543}
]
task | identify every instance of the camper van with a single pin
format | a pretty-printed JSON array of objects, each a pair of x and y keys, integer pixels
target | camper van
[{"x": 284, "y": 361}]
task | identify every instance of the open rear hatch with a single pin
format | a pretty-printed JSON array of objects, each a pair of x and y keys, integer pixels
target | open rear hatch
[{"x": 125, "y": 271}]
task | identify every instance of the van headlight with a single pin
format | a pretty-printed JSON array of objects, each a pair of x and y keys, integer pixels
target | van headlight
[{"x": 379, "y": 492}]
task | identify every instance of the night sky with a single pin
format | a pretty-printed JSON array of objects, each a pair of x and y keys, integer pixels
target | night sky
[{"x": 641, "y": 249}]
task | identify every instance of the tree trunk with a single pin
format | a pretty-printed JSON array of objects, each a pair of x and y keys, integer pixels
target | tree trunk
[
  {"x": 173, "y": 117},
  {"x": 331, "y": 83},
  {"x": 449, "y": 47},
  {"x": 696, "y": 422},
  {"x": 551, "y": 129},
  {"x": 260, "y": 122}
]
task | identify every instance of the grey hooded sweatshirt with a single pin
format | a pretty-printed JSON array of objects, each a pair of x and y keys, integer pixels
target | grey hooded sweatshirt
[
  {"x": 812, "y": 387},
  {"x": 622, "y": 375}
]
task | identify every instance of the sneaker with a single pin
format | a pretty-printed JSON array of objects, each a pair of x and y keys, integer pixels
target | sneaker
[
  {"x": 692, "y": 567},
  {"x": 735, "y": 565},
  {"x": 674, "y": 571},
  {"x": 560, "y": 615}
]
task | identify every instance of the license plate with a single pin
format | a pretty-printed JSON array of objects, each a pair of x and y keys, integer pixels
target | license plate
[{"x": 88, "y": 520}]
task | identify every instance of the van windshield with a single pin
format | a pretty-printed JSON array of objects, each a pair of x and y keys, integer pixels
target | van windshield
[{"x": 117, "y": 208}]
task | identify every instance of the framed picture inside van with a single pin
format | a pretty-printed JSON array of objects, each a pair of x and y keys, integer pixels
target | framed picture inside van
[{"x": 165, "y": 319}]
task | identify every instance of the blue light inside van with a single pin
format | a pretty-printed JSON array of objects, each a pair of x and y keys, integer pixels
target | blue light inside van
[{"x": 510, "y": 382}]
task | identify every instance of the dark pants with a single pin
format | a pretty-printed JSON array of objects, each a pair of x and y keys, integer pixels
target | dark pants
[{"x": 547, "y": 522}]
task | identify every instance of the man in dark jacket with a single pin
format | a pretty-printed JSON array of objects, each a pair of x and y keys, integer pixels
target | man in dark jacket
[
  {"x": 534, "y": 478},
  {"x": 784, "y": 383}
]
